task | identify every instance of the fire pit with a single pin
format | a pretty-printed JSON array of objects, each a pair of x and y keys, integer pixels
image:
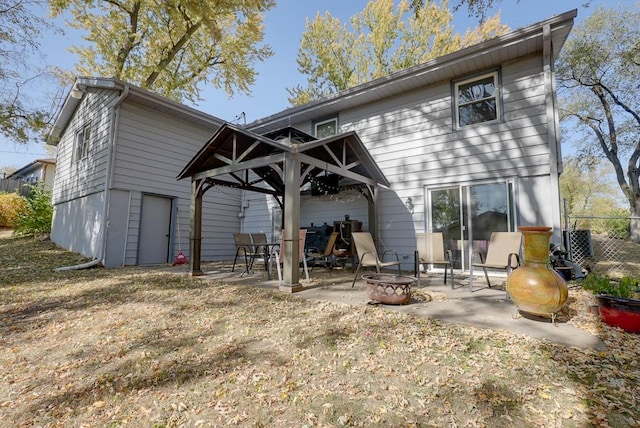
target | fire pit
[{"x": 389, "y": 289}]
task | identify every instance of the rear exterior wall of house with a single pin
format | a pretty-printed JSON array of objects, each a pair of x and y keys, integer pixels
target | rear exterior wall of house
[{"x": 414, "y": 139}]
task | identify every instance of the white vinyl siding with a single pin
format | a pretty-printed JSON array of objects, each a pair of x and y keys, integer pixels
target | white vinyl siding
[
  {"x": 77, "y": 225},
  {"x": 78, "y": 179},
  {"x": 412, "y": 139},
  {"x": 153, "y": 147}
]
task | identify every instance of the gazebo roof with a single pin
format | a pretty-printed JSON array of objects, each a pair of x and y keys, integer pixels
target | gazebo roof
[{"x": 232, "y": 152}]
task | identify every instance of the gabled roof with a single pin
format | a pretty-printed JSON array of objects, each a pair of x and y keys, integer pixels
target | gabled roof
[
  {"x": 31, "y": 166},
  {"x": 129, "y": 92},
  {"x": 232, "y": 152},
  {"x": 475, "y": 58}
]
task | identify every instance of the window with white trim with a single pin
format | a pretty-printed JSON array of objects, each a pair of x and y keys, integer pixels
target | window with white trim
[
  {"x": 477, "y": 100},
  {"x": 82, "y": 141},
  {"x": 326, "y": 128}
]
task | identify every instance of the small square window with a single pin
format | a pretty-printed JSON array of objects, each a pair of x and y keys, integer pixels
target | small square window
[
  {"x": 477, "y": 100},
  {"x": 83, "y": 139},
  {"x": 326, "y": 128}
]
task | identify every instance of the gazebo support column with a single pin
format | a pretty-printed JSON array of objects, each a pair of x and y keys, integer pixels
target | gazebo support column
[
  {"x": 195, "y": 238},
  {"x": 291, "y": 261},
  {"x": 372, "y": 211}
]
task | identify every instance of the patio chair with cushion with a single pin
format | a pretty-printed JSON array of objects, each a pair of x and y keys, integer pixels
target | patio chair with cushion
[
  {"x": 368, "y": 255},
  {"x": 430, "y": 250},
  {"x": 503, "y": 253},
  {"x": 278, "y": 251}
]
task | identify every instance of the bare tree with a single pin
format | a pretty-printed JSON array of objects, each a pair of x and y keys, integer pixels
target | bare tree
[{"x": 598, "y": 75}]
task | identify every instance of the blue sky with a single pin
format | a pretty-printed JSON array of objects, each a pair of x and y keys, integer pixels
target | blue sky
[{"x": 285, "y": 24}]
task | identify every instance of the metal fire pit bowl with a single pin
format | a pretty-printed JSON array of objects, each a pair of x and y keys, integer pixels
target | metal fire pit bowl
[{"x": 389, "y": 289}]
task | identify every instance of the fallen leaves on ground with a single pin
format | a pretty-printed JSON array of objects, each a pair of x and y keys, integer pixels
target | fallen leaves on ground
[{"x": 136, "y": 347}]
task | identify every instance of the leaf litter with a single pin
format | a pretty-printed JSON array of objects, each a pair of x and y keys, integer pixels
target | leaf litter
[{"x": 137, "y": 347}]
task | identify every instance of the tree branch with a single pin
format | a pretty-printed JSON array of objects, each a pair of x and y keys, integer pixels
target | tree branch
[
  {"x": 172, "y": 52},
  {"x": 613, "y": 159},
  {"x": 130, "y": 43},
  {"x": 632, "y": 166}
]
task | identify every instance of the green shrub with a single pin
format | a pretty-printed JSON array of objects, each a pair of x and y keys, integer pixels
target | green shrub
[
  {"x": 37, "y": 215},
  {"x": 11, "y": 204},
  {"x": 626, "y": 287}
]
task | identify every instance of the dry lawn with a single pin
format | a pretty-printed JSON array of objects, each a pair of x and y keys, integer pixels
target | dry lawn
[{"x": 138, "y": 348}]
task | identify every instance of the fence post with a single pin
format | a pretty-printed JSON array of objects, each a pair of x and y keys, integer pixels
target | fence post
[{"x": 567, "y": 233}]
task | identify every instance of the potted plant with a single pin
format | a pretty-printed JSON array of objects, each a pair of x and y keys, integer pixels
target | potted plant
[{"x": 618, "y": 300}]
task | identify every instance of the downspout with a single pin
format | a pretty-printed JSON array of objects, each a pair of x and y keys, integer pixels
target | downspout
[
  {"x": 113, "y": 130},
  {"x": 555, "y": 156}
]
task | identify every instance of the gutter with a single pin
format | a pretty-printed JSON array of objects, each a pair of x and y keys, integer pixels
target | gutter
[{"x": 408, "y": 74}]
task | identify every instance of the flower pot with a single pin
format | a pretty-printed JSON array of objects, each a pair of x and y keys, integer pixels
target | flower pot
[
  {"x": 389, "y": 289},
  {"x": 535, "y": 287},
  {"x": 620, "y": 312}
]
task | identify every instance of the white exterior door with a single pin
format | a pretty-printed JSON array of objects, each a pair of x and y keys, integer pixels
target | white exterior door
[
  {"x": 119, "y": 202},
  {"x": 155, "y": 230}
]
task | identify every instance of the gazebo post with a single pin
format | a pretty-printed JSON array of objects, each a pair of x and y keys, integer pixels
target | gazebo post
[
  {"x": 291, "y": 262},
  {"x": 372, "y": 211},
  {"x": 195, "y": 237}
]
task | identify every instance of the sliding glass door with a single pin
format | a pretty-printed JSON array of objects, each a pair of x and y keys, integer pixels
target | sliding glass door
[
  {"x": 444, "y": 215},
  {"x": 467, "y": 214}
]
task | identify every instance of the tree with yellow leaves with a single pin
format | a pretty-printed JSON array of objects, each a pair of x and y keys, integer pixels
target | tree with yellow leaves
[
  {"x": 380, "y": 40},
  {"x": 171, "y": 46}
]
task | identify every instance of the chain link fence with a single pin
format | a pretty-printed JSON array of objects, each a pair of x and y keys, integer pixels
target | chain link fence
[{"x": 601, "y": 244}]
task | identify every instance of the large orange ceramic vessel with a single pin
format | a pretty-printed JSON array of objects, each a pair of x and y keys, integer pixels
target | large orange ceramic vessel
[{"x": 535, "y": 287}]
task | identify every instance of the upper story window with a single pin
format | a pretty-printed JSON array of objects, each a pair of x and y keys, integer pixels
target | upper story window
[
  {"x": 477, "y": 100},
  {"x": 82, "y": 141},
  {"x": 326, "y": 128}
]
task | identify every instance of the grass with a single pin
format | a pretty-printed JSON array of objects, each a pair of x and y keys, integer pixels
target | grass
[{"x": 140, "y": 348}]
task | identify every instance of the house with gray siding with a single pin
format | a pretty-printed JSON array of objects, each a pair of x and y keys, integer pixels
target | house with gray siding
[
  {"x": 39, "y": 171},
  {"x": 115, "y": 196},
  {"x": 468, "y": 142}
]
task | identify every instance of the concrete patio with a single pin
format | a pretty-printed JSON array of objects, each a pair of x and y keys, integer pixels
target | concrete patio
[{"x": 483, "y": 308}]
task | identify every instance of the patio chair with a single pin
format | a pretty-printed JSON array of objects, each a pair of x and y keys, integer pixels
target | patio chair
[
  {"x": 326, "y": 256},
  {"x": 244, "y": 248},
  {"x": 259, "y": 241},
  {"x": 260, "y": 247},
  {"x": 430, "y": 250},
  {"x": 503, "y": 253},
  {"x": 368, "y": 255},
  {"x": 276, "y": 254}
]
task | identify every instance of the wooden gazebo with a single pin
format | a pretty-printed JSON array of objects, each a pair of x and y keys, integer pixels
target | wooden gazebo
[{"x": 279, "y": 163}]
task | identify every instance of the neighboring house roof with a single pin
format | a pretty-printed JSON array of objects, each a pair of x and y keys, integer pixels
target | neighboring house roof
[
  {"x": 131, "y": 93},
  {"x": 490, "y": 53},
  {"x": 233, "y": 150},
  {"x": 32, "y": 166}
]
